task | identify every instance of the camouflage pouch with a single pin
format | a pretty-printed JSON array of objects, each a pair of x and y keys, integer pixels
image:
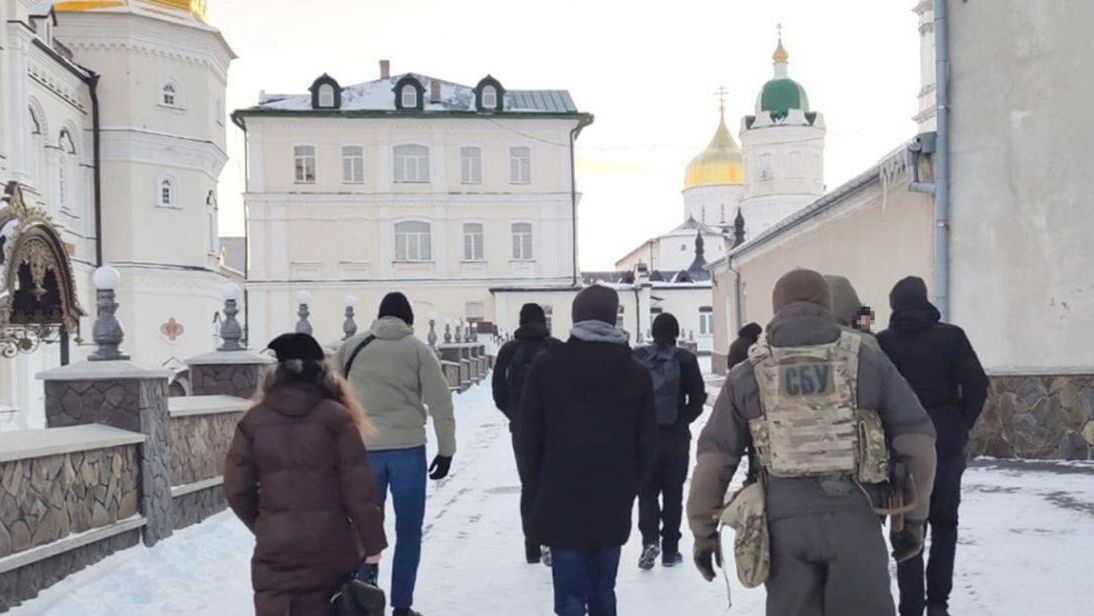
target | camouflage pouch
[
  {"x": 872, "y": 457},
  {"x": 746, "y": 514}
]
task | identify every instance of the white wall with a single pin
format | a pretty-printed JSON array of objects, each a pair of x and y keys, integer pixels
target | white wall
[{"x": 1022, "y": 283}]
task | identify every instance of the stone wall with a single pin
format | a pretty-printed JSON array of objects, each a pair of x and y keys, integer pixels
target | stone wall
[
  {"x": 1037, "y": 416},
  {"x": 195, "y": 507},
  {"x": 198, "y": 444},
  {"x": 45, "y": 499},
  {"x": 239, "y": 380}
]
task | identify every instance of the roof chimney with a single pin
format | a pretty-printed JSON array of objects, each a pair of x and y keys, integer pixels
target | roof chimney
[
  {"x": 434, "y": 91},
  {"x": 385, "y": 69}
]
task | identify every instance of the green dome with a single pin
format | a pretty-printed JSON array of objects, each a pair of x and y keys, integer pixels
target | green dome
[{"x": 779, "y": 96}]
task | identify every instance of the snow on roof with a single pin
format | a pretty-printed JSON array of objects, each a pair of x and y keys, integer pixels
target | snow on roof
[
  {"x": 39, "y": 9},
  {"x": 379, "y": 95}
]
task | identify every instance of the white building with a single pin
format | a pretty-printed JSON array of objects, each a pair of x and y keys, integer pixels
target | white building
[
  {"x": 112, "y": 124},
  {"x": 444, "y": 191}
]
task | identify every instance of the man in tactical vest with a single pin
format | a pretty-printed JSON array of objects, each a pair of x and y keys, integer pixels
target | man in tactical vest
[
  {"x": 679, "y": 394},
  {"x": 825, "y": 416}
]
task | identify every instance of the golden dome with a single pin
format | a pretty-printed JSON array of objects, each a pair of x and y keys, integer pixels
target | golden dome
[
  {"x": 781, "y": 56},
  {"x": 198, "y": 8},
  {"x": 719, "y": 164}
]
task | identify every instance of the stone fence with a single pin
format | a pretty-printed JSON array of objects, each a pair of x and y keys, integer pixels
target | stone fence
[
  {"x": 68, "y": 497},
  {"x": 201, "y": 431},
  {"x": 1037, "y": 416}
]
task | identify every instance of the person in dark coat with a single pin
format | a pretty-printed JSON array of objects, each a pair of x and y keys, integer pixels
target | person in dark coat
[
  {"x": 940, "y": 364},
  {"x": 588, "y": 433},
  {"x": 297, "y": 476},
  {"x": 510, "y": 369},
  {"x": 661, "y": 501},
  {"x": 746, "y": 337}
]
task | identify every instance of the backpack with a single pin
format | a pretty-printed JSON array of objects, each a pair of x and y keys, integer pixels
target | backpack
[
  {"x": 664, "y": 367},
  {"x": 517, "y": 371}
]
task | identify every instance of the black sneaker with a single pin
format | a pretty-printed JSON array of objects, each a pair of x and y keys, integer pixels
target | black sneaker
[
  {"x": 671, "y": 559},
  {"x": 649, "y": 556}
]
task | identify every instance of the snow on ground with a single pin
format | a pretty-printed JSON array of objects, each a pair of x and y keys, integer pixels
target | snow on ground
[{"x": 1026, "y": 530}]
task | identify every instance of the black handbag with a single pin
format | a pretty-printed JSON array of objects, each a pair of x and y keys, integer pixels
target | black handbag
[{"x": 358, "y": 598}]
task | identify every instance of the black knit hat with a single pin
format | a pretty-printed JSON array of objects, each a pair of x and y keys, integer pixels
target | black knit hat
[
  {"x": 596, "y": 303},
  {"x": 665, "y": 327},
  {"x": 532, "y": 313},
  {"x": 397, "y": 305},
  {"x": 297, "y": 346}
]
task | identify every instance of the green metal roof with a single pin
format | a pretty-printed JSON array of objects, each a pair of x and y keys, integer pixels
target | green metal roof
[{"x": 779, "y": 96}]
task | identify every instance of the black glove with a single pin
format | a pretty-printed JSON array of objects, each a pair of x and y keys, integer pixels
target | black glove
[
  {"x": 440, "y": 466},
  {"x": 708, "y": 552},
  {"x": 907, "y": 542}
]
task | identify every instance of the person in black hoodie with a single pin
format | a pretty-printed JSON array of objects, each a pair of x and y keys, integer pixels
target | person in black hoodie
[
  {"x": 588, "y": 432},
  {"x": 939, "y": 363},
  {"x": 679, "y": 393},
  {"x": 738, "y": 351},
  {"x": 510, "y": 369}
]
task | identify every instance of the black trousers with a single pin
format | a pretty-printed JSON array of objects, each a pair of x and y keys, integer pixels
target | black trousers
[
  {"x": 530, "y": 547},
  {"x": 942, "y": 523},
  {"x": 661, "y": 499}
]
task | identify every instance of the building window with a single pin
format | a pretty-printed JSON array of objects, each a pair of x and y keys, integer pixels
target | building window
[
  {"x": 522, "y": 241},
  {"x": 706, "y": 321},
  {"x": 165, "y": 193},
  {"x": 409, "y": 96},
  {"x": 620, "y": 318},
  {"x": 170, "y": 95},
  {"x": 411, "y": 163},
  {"x": 304, "y": 158},
  {"x": 471, "y": 165},
  {"x": 794, "y": 162},
  {"x": 473, "y": 242},
  {"x": 489, "y": 97},
  {"x": 549, "y": 312},
  {"x": 765, "y": 167},
  {"x": 213, "y": 243},
  {"x": 326, "y": 95},
  {"x": 353, "y": 164},
  {"x": 520, "y": 165},
  {"x": 413, "y": 241}
]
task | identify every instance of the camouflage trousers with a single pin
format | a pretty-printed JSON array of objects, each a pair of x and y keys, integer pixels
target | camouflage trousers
[{"x": 833, "y": 564}]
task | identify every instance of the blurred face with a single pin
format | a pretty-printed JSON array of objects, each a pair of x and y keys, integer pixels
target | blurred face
[{"x": 864, "y": 322}]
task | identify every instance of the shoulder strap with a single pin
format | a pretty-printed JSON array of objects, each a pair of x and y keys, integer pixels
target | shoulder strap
[{"x": 360, "y": 347}]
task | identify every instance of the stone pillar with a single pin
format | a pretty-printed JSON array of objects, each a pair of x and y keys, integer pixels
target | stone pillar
[
  {"x": 122, "y": 394},
  {"x": 231, "y": 370}
]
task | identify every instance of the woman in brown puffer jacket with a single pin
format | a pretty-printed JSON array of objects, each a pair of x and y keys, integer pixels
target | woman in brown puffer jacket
[{"x": 298, "y": 477}]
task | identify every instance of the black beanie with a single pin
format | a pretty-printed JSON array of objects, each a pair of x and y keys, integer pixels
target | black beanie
[
  {"x": 665, "y": 327},
  {"x": 532, "y": 313},
  {"x": 909, "y": 294},
  {"x": 297, "y": 346},
  {"x": 596, "y": 303},
  {"x": 751, "y": 331},
  {"x": 397, "y": 305}
]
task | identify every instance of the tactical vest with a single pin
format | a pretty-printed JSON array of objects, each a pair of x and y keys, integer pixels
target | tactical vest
[{"x": 811, "y": 424}]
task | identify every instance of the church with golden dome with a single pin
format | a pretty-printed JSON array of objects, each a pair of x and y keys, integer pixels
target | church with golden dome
[{"x": 734, "y": 191}]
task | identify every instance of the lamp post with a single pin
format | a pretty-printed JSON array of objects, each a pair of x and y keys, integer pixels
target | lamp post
[
  {"x": 303, "y": 326},
  {"x": 230, "y": 331},
  {"x": 107, "y": 331}
]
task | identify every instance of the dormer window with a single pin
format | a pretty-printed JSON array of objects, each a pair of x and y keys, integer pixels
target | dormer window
[
  {"x": 489, "y": 95},
  {"x": 326, "y": 93},
  {"x": 409, "y": 97},
  {"x": 409, "y": 94},
  {"x": 171, "y": 95}
]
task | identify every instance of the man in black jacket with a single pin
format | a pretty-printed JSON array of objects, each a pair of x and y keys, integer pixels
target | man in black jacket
[
  {"x": 746, "y": 337},
  {"x": 510, "y": 370},
  {"x": 679, "y": 394},
  {"x": 941, "y": 366},
  {"x": 588, "y": 434}
]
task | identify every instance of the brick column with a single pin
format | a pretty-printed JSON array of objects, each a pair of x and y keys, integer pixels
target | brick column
[
  {"x": 125, "y": 395},
  {"x": 227, "y": 373}
]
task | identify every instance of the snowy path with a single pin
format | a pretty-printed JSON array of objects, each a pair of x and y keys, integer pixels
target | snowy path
[{"x": 1027, "y": 529}]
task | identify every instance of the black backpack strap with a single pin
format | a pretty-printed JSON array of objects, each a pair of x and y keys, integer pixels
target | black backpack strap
[{"x": 360, "y": 347}]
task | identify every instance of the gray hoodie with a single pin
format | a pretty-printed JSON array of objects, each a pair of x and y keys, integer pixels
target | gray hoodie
[{"x": 397, "y": 378}]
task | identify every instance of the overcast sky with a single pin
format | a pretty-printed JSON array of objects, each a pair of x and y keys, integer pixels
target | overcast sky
[{"x": 647, "y": 71}]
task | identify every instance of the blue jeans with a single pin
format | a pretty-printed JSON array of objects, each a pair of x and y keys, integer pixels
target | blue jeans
[
  {"x": 404, "y": 472},
  {"x": 585, "y": 580}
]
